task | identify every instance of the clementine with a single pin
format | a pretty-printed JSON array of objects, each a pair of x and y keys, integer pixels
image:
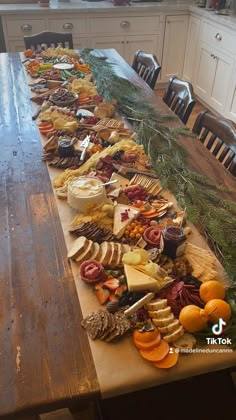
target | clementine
[
  {"x": 217, "y": 308},
  {"x": 193, "y": 318},
  {"x": 211, "y": 289}
]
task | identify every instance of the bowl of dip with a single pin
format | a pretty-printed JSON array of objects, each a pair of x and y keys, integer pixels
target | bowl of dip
[{"x": 85, "y": 192}]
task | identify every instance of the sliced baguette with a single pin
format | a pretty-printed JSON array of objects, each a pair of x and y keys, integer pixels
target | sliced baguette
[
  {"x": 106, "y": 249},
  {"x": 174, "y": 336},
  {"x": 86, "y": 254},
  {"x": 170, "y": 328},
  {"x": 161, "y": 313},
  {"x": 156, "y": 304},
  {"x": 78, "y": 247},
  {"x": 114, "y": 253},
  {"x": 162, "y": 322},
  {"x": 119, "y": 255},
  {"x": 96, "y": 251},
  {"x": 125, "y": 248}
]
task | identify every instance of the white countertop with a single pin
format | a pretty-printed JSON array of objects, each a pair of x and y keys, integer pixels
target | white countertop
[
  {"x": 81, "y": 6},
  {"x": 88, "y": 7}
]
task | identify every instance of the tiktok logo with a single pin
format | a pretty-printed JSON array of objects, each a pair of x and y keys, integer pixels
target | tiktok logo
[{"x": 217, "y": 329}]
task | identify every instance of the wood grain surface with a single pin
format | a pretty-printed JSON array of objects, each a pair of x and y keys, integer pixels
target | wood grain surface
[{"x": 45, "y": 358}]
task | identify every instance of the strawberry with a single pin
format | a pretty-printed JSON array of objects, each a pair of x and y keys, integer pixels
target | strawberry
[
  {"x": 120, "y": 290},
  {"x": 102, "y": 295},
  {"x": 112, "y": 284},
  {"x": 98, "y": 285},
  {"x": 113, "y": 298}
]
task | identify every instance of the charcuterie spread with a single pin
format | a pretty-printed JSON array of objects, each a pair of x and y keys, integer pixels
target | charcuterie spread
[{"x": 131, "y": 242}]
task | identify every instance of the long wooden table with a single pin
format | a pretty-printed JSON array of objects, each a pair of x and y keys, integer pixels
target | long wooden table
[{"x": 45, "y": 356}]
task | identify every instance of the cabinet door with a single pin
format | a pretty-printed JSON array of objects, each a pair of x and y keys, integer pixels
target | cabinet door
[
  {"x": 116, "y": 42},
  {"x": 191, "y": 47},
  {"x": 79, "y": 43},
  {"x": 175, "y": 38},
  {"x": 147, "y": 43},
  {"x": 222, "y": 81},
  {"x": 204, "y": 72},
  {"x": 16, "y": 46},
  {"x": 230, "y": 111}
]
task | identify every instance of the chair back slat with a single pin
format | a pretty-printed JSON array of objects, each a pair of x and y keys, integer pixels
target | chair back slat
[
  {"x": 147, "y": 67},
  {"x": 179, "y": 97},
  {"x": 219, "y": 136},
  {"x": 45, "y": 39}
]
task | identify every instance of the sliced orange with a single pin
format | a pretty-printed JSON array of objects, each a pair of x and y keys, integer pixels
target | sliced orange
[
  {"x": 157, "y": 353},
  {"x": 145, "y": 336},
  {"x": 148, "y": 345},
  {"x": 169, "y": 361}
]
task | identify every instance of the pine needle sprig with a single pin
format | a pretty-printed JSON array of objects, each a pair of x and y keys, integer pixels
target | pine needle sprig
[{"x": 201, "y": 197}]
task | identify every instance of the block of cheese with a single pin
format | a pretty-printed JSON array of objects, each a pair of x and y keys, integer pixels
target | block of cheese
[
  {"x": 123, "y": 216},
  {"x": 121, "y": 181},
  {"x": 138, "y": 281}
]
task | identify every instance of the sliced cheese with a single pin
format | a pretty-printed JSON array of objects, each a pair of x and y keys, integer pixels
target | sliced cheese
[
  {"x": 120, "y": 225},
  {"x": 138, "y": 281}
]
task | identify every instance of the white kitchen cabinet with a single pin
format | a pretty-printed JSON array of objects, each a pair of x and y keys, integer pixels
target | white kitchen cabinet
[
  {"x": 116, "y": 42},
  {"x": 175, "y": 38},
  {"x": 191, "y": 47},
  {"x": 147, "y": 43},
  {"x": 230, "y": 109}
]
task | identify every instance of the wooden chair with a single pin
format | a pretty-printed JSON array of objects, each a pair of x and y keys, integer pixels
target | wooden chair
[
  {"x": 219, "y": 136},
  {"x": 48, "y": 39},
  {"x": 179, "y": 97},
  {"x": 147, "y": 67}
]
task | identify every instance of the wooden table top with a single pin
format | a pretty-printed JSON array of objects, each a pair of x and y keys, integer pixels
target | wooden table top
[{"x": 45, "y": 356}]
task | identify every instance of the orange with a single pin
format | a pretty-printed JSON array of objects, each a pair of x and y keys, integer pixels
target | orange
[
  {"x": 217, "y": 308},
  {"x": 193, "y": 318},
  {"x": 211, "y": 290},
  {"x": 145, "y": 336}
]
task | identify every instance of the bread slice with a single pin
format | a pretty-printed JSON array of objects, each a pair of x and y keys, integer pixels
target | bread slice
[
  {"x": 125, "y": 248},
  {"x": 119, "y": 255},
  {"x": 114, "y": 253},
  {"x": 156, "y": 304},
  {"x": 106, "y": 251},
  {"x": 174, "y": 336},
  {"x": 170, "y": 328},
  {"x": 120, "y": 225},
  {"x": 161, "y": 313},
  {"x": 78, "y": 247},
  {"x": 86, "y": 254},
  {"x": 162, "y": 322},
  {"x": 96, "y": 251}
]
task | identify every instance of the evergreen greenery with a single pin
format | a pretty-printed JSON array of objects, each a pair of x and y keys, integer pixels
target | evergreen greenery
[{"x": 205, "y": 205}]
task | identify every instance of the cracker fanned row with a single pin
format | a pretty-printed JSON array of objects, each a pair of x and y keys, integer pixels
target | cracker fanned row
[{"x": 202, "y": 261}]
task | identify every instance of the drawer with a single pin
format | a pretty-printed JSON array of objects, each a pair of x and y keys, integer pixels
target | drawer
[
  {"x": 75, "y": 26},
  {"x": 124, "y": 25},
  {"x": 218, "y": 38},
  {"x": 26, "y": 26}
]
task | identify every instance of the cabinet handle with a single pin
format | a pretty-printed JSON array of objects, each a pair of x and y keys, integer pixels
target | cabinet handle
[
  {"x": 68, "y": 26},
  {"x": 122, "y": 42},
  {"x": 125, "y": 24},
  {"x": 213, "y": 56},
  {"x": 218, "y": 36},
  {"x": 26, "y": 28}
]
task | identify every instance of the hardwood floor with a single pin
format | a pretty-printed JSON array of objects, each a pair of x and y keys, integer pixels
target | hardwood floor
[{"x": 197, "y": 108}]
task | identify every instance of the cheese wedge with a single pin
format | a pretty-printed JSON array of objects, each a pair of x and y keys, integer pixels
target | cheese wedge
[
  {"x": 138, "y": 281},
  {"x": 120, "y": 225}
]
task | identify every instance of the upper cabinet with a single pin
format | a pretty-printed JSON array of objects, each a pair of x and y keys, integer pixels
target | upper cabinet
[{"x": 175, "y": 38}]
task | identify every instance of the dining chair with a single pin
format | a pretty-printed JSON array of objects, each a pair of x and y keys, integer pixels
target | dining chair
[
  {"x": 147, "y": 67},
  {"x": 179, "y": 97},
  {"x": 219, "y": 136},
  {"x": 47, "y": 39}
]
